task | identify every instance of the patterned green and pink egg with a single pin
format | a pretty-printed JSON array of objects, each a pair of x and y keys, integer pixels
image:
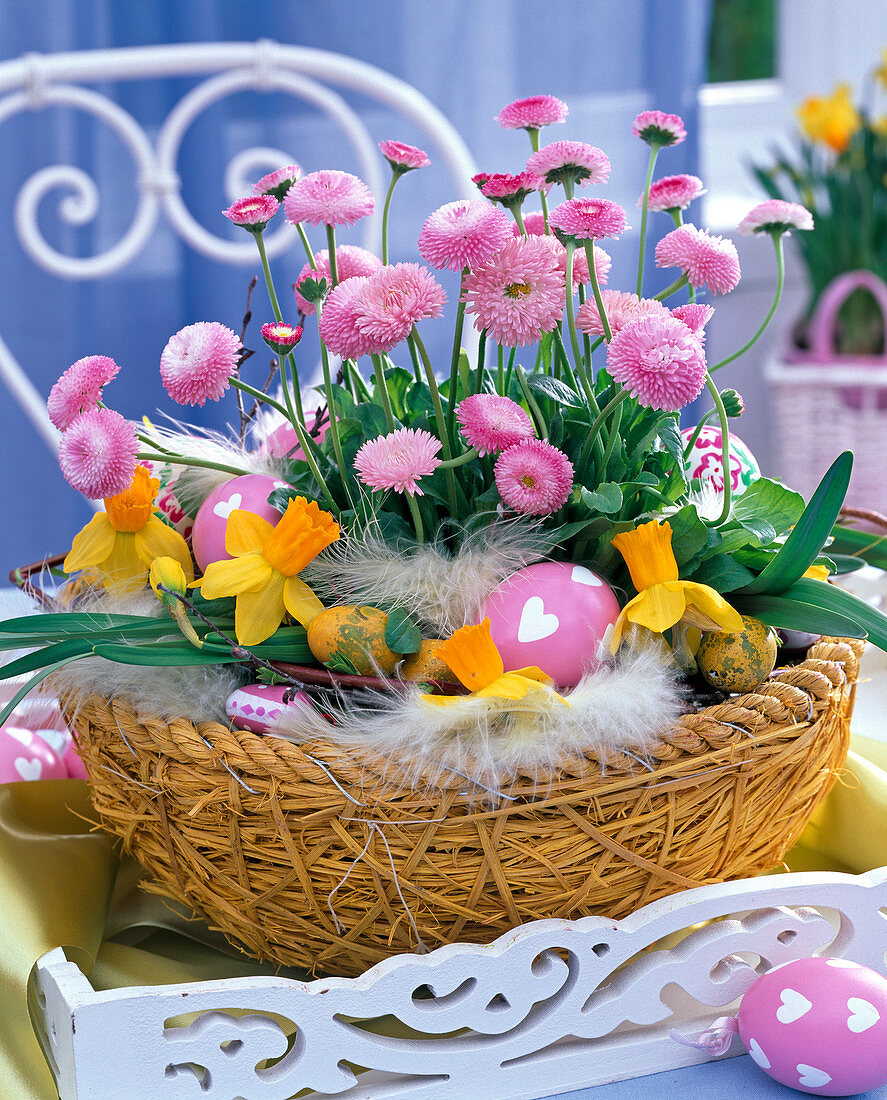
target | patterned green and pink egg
[{"x": 706, "y": 460}]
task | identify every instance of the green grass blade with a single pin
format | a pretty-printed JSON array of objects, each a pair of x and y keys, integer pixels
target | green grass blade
[
  {"x": 72, "y": 647},
  {"x": 791, "y": 614},
  {"x": 25, "y": 689}
]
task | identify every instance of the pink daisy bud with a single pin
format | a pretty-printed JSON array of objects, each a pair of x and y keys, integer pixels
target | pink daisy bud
[
  {"x": 328, "y": 197},
  {"x": 695, "y": 316},
  {"x": 534, "y": 224},
  {"x": 705, "y": 259},
  {"x": 673, "y": 193},
  {"x": 253, "y": 212},
  {"x": 533, "y": 477},
  {"x": 198, "y": 361},
  {"x": 79, "y": 389},
  {"x": 351, "y": 260},
  {"x": 511, "y": 190},
  {"x": 280, "y": 337},
  {"x": 278, "y": 182},
  {"x": 480, "y": 179},
  {"x": 465, "y": 233},
  {"x": 519, "y": 294},
  {"x": 659, "y": 361},
  {"x": 621, "y": 307},
  {"x": 491, "y": 423},
  {"x": 571, "y": 162},
  {"x": 97, "y": 453},
  {"x": 402, "y": 157},
  {"x": 658, "y": 128},
  {"x": 393, "y": 300},
  {"x": 338, "y": 322},
  {"x": 776, "y": 216},
  {"x": 588, "y": 219},
  {"x": 734, "y": 405},
  {"x": 532, "y": 113},
  {"x": 396, "y": 461}
]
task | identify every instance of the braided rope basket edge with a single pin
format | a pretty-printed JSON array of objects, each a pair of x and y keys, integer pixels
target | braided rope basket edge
[{"x": 313, "y": 855}]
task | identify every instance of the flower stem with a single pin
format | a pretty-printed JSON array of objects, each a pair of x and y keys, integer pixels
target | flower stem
[
  {"x": 780, "y": 280},
  {"x": 459, "y": 460},
  {"x": 238, "y": 384},
  {"x": 395, "y": 176},
  {"x": 611, "y": 442},
  {"x": 306, "y": 244},
  {"x": 334, "y": 423},
  {"x": 415, "y": 338},
  {"x": 725, "y": 449},
  {"x": 672, "y": 289},
  {"x": 518, "y": 217},
  {"x": 413, "y": 506},
  {"x": 697, "y": 432},
  {"x": 481, "y": 356},
  {"x": 534, "y": 141},
  {"x": 599, "y": 302},
  {"x": 571, "y": 319},
  {"x": 454, "y": 359},
  {"x": 278, "y": 316},
  {"x": 596, "y": 426},
  {"x": 654, "y": 153},
  {"x": 186, "y": 460},
  {"x": 331, "y": 245},
  {"x": 536, "y": 412},
  {"x": 382, "y": 387}
]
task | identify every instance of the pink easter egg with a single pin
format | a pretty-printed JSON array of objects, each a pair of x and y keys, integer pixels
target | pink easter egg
[
  {"x": 249, "y": 492},
  {"x": 25, "y": 755},
  {"x": 818, "y": 1025},
  {"x": 552, "y": 615},
  {"x": 258, "y": 707},
  {"x": 283, "y": 440},
  {"x": 706, "y": 460},
  {"x": 73, "y": 762}
]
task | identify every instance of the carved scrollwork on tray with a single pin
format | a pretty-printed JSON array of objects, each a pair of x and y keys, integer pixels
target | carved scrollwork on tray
[{"x": 549, "y": 1007}]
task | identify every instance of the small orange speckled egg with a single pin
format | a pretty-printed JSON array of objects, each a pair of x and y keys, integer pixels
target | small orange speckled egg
[
  {"x": 426, "y": 665},
  {"x": 740, "y": 660},
  {"x": 352, "y": 639}
]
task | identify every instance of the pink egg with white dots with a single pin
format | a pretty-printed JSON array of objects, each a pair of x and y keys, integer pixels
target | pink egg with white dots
[
  {"x": 553, "y": 615},
  {"x": 249, "y": 492},
  {"x": 258, "y": 707},
  {"x": 25, "y": 755},
  {"x": 818, "y": 1025},
  {"x": 706, "y": 460}
]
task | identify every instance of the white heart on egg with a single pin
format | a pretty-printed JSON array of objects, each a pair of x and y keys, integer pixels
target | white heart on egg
[
  {"x": 811, "y": 1077},
  {"x": 757, "y": 1055},
  {"x": 794, "y": 1006},
  {"x": 863, "y": 1015},
  {"x": 23, "y": 736},
  {"x": 581, "y": 575},
  {"x": 224, "y": 508},
  {"x": 28, "y": 769},
  {"x": 535, "y": 623},
  {"x": 281, "y": 485}
]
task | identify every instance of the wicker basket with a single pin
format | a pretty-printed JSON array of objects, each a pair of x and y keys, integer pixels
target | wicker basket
[{"x": 305, "y": 855}]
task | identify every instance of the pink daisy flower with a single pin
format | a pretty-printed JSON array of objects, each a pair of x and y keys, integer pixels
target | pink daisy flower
[
  {"x": 278, "y": 182},
  {"x": 571, "y": 161},
  {"x": 588, "y": 219},
  {"x": 328, "y": 197},
  {"x": 338, "y": 322},
  {"x": 673, "y": 193},
  {"x": 253, "y": 212},
  {"x": 776, "y": 216},
  {"x": 280, "y": 337},
  {"x": 492, "y": 423},
  {"x": 695, "y": 316},
  {"x": 393, "y": 300},
  {"x": 532, "y": 113},
  {"x": 533, "y": 477},
  {"x": 621, "y": 308},
  {"x": 659, "y": 361},
  {"x": 79, "y": 389},
  {"x": 396, "y": 461},
  {"x": 465, "y": 233},
  {"x": 705, "y": 259},
  {"x": 198, "y": 361},
  {"x": 402, "y": 157},
  {"x": 97, "y": 453},
  {"x": 511, "y": 189},
  {"x": 658, "y": 128},
  {"x": 351, "y": 260},
  {"x": 519, "y": 294}
]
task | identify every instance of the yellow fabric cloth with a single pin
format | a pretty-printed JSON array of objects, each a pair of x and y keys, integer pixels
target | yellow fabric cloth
[{"x": 62, "y": 884}]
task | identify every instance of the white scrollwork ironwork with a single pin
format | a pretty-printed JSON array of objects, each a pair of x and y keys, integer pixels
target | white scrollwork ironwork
[{"x": 552, "y": 1006}]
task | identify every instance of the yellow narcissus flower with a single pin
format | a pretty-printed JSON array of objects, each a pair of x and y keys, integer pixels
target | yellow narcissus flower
[
  {"x": 663, "y": 599},
  {"x": 121, "y": 543},
  {"x": 830, "y": 120},
  {"x": 472, "y": 655},
  {"x": 167, "y": 576},
  {"x": 262, "y": 572}
]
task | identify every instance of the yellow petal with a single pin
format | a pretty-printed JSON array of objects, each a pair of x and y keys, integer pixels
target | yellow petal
[
  {"x": 472, "y": 655},
  {"x": 246, "y": 533},
  {"x": 91, "y": 545},
  {"x": 657, "y": 607},
  {"x": 157, "y": 540},
  {"x": 300, "y": 601},
  {"x": 712, "y": 604},
  {"x": 648, "y": 554},
  {"x": 259, "y": 614},
  {"x": 514, "y": 685},
  {"x": 818, "y": 572},
  {"x": 248, "y": 573},
  {"x": 123, "y": 570}
]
